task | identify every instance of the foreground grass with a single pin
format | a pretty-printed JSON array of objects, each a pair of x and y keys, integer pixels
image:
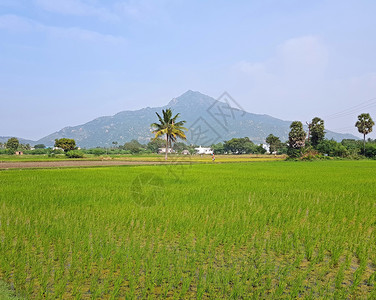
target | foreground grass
[
  {"x": 6, "y": 293},
  {"x": 266, "y": 230}
]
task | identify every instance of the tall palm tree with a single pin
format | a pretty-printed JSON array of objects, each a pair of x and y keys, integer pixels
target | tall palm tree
[
  {"x": 364, "y": 124},
  {"x": 168, "y": 126}
]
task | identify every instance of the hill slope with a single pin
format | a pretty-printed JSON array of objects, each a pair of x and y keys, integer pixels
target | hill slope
[
  {"x": 208, "y": 120},
  {"x": 4, "y": 139}
]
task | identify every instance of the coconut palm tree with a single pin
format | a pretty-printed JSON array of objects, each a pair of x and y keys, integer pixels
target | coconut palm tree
[
  {"x": 364, "y": 125},
  {"x": 168, "y": 126}
]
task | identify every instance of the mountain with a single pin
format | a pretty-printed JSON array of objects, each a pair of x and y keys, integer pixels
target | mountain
[
  {"x": 208, "y": 120},
  {"x": 4, "y": 139}
]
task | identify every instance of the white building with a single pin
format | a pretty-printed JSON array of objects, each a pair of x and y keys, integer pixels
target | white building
[
  {"x": 202, "y": 150},
  {"x": 266, "y": 147},
  {"x": 163, "y": 150}
]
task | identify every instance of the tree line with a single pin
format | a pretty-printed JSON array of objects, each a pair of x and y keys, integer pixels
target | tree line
[
  {"x": 300, "y": 144},
  {"x": 314, "y": 144}
]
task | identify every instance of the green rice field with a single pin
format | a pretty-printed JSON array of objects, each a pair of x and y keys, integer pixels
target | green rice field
[{"x": 262, "y": 230}]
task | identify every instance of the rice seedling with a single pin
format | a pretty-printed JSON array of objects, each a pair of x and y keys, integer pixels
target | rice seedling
[{"x": 252, "y": 230}]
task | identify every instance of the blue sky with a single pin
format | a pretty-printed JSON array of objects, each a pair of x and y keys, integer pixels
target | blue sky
[{"x": 66, "y": 62}]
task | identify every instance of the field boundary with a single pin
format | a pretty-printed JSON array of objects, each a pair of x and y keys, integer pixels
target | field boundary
[
  {"x": 81, "y": 163},
  {"x": 4, "y": 165}
]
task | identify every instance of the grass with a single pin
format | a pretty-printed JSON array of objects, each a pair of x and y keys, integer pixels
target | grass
[
  {"x": 267, "y": 230},
  {"x": 6, "y": 293},
  {"x": 27, "y": 158}
]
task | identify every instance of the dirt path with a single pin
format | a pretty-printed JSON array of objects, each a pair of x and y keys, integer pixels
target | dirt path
[{"x": 70, "y": 163}]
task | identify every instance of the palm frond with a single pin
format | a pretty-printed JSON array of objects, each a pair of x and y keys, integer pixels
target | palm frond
[{"x": 168, "y": 126}]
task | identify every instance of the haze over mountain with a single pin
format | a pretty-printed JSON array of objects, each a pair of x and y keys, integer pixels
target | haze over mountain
[
  {"x": 4, "y": 139},
  {"x": 208, "y": 120}
]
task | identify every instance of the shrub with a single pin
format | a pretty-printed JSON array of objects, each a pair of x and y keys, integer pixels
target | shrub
[
  {"x": 354, "y": 147},
  {"x": 10, "y": 151},
  {"x": 98, "y": 151},
  {"x": 37, "y": 151},
  {"x": 308, "y": 153},
  {"x": 332, "y": 148},
  {"x": 74, "y": 154},
  {"x": 370, "y": 150},
  {"x": 57, "y": 151},
  {"x": 293, "y": 153},
  {"x": 39, "y": 146}
]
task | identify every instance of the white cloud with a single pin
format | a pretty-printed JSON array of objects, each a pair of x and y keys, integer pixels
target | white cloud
[
  {"x": 299, "y": 82},
  {"x": 83, "y": 35},
  {"x": 15, "y": 23},
  {"x": 138, "y": 10},
  {"x": 144, "y": 11},
  {"x": 303, "y": 58},
  {"x": 77, "y": 8},
  {"x": 305, "y": 54},
  {"x": 18, "y": 24},
  {"x": 298, "y": 66},
  {"x": 10, "y": 3},
  {"x": 127, "y": 9},
  {"x": 135, "y": 9}
]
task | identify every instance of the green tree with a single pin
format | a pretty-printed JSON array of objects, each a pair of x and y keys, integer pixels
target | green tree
[
  {"x": 354, "y": 147},
  {"x": 296, "y": 138},
  {"x": 25, "y": 147},
  {"x": 155, "y": 144},
  {"x": 169, "y": 127},
  {"x": 240, "y": 146},
  {"x": 364, "y": 124},
  {"x": 133, "y": 146},
  {"x": 218, "y": 148},
  {"x": 370, "y": 150},
  {"x": 65, "y": 144},
  {"x": 74, "y": 154},
  {"x": 260, "y": 149},
  {"x": 12, "y": 145},
  {"x": 179, "y": 147},
  {"x": 98, "y": 151},
  {"x": 332, "y": 148},
  {"x": 39, "y": 146},
  {"x": 283, "y": 148},
  {"x": 274, "y": 142},
  {"x": 317, "y": 131},
  {"x": 191, "y": 149}
]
